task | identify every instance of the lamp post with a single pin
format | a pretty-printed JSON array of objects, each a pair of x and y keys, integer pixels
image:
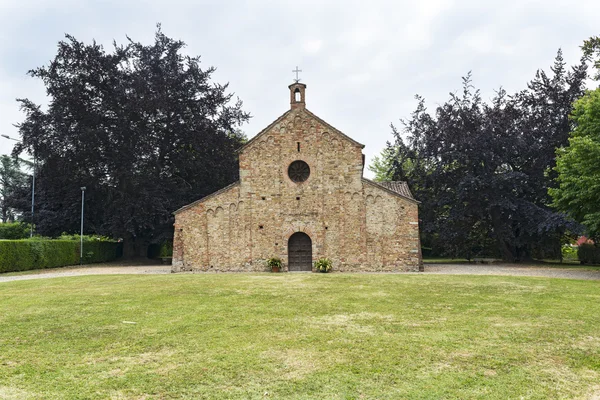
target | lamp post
[
  {"x": 32, "y": 185},
  {"x": 81, "y": 236}
]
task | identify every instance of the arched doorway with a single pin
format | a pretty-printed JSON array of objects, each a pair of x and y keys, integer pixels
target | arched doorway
[{"x": 299, "y": 252}]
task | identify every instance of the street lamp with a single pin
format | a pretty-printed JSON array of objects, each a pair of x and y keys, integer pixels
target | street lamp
[
  {"x": 32, "y": 185},
  {"x": 81, "y": 236}
]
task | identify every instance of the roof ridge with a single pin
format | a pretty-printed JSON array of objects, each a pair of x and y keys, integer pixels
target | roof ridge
[
  {"x": 275, "y": 122},
  {"x": 311, "y": 114}
]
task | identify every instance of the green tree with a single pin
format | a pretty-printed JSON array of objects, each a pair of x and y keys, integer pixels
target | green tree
[
  {"x": 142, "y": 127},
  {"x": 12, "y": 178},
  {"x": 381, "y": 165},
  {"x": 482, "y": 169},
  {"x": 591, "y": 50},
  {"x": 578, "y": 166}
]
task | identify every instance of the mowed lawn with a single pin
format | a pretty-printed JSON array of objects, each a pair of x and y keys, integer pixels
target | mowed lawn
[{"x": 304, "y": 336}]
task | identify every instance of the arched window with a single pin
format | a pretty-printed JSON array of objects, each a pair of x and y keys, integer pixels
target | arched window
[{"x": 297, "y": 95}]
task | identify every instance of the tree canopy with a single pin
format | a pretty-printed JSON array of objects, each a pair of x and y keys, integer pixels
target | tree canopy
[
  {"x": 12, "y": 181},
  {"x": 578, "y": 166},
  {"x": 142, "y": 127},
  {"x": 591, "y": 50},
  {"x": 482, "y": 170}
]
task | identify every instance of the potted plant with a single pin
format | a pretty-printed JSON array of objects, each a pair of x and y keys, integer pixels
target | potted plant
[
  {"x": 323, "y": 265},
  {"x": 274, "y": 263}
]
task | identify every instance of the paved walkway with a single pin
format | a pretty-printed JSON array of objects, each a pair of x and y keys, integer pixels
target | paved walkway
[{"x": 451, "y": 269}]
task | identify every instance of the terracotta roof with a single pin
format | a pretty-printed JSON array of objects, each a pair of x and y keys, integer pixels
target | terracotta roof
[
  {"x": 397, "y": 187},
  {"x": 206, "y": 197}
]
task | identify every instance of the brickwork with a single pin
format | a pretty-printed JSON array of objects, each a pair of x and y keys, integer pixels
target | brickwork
[{"x": 358, "y": 224}]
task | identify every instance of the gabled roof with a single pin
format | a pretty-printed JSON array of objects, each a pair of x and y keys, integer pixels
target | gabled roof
[
  {"x": 310, "y": 114},
  {"x": 398, "y": 188},
  {"x": 226, "y": 188},
  {"x": 272, "y": 124}
]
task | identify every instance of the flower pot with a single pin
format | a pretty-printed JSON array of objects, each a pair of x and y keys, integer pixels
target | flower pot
[{"x": 275, "y": 269}]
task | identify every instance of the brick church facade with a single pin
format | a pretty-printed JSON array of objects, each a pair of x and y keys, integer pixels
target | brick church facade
[{"x": 301, "y": 196}]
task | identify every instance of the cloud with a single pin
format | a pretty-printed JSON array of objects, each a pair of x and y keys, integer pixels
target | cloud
[
  {"x": 362, "y": 61},
  {"x": 312, "y": 46}
]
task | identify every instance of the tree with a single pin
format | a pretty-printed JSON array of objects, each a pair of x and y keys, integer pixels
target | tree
[
  {"x": 481, "y": 170},
  {"x": 381, "y": 165},
  {"x": 591, "y": 49},
  {"x": 143, "y": 128},
  {"x": 12, "y": 179},
  {"x": 578, "y": 166}
]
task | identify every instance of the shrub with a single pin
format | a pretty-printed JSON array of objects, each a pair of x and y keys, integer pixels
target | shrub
[
  {"x": 86, "y": 238},
  {"x": 273, "y": 262},
  {"x": 323, "y": 265},
  {"x": 166, "y": 250},
  {"x": 588, "y": 254},
  {"x": 95, "y": 252},
  {"x": 14, "y": 230},
  {"x": 22, "y": 255},
  {"x": 160, "y": 250},
  {"x": 569, "y": 252}
]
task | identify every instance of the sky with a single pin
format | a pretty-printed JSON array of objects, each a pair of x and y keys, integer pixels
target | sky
[{"x": 363, "y": 61}]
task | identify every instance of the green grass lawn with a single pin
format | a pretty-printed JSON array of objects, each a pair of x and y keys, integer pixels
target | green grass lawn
[{"x": 320, "y": 336}]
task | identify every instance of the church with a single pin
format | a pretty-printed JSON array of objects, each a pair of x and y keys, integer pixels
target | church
[{"x": 301, "y": 196}]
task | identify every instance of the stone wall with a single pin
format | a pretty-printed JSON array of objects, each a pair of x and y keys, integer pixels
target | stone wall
[{"x": 356, "y": 223}]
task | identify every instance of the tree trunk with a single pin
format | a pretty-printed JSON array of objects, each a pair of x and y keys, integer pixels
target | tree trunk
[{"x": 507, "y": 253}]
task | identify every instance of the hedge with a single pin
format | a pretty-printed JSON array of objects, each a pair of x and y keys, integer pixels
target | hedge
[
  {"x": 14, "y": 230},
  {"x": 23, "y": 255},
  {"x": 588, "y": 254}
]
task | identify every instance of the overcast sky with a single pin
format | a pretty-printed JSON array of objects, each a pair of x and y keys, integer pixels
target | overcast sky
[{"x": 363, "y": 61}]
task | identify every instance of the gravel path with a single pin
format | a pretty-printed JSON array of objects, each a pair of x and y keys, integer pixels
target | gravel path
[
  {"x": 512, "y": 270},
  {"x": 95, "y": 269},
  {"x": 450, "y": 269}
]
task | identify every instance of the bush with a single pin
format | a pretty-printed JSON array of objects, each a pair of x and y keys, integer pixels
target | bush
[
  {"x": 323, "y": 265},
  {"x": 14, "y": 230},
  {"x": 95, "y": 252},
  {"x": 588, "y": 254},
  {"x": 160, "y": 250},
  {"x": 23, "y": 255},
  {"x": 166, "y": 250},
  {"x": 569, "y": 252},
  {"x": 86, "y": 238}
]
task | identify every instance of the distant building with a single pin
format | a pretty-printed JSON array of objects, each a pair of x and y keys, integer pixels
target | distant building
[
  {"x": 583, "y": 240},
  {"x": 301, "y": 196}
]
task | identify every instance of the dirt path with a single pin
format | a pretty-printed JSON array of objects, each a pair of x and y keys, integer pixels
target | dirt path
[{"x": 450, "y": 269}]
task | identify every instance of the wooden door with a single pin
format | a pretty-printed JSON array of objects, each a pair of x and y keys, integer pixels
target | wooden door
[{"x": 300, "y": 252}]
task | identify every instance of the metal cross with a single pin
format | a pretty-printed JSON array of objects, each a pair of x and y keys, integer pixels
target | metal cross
[{"x": 296, "y": 71}]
